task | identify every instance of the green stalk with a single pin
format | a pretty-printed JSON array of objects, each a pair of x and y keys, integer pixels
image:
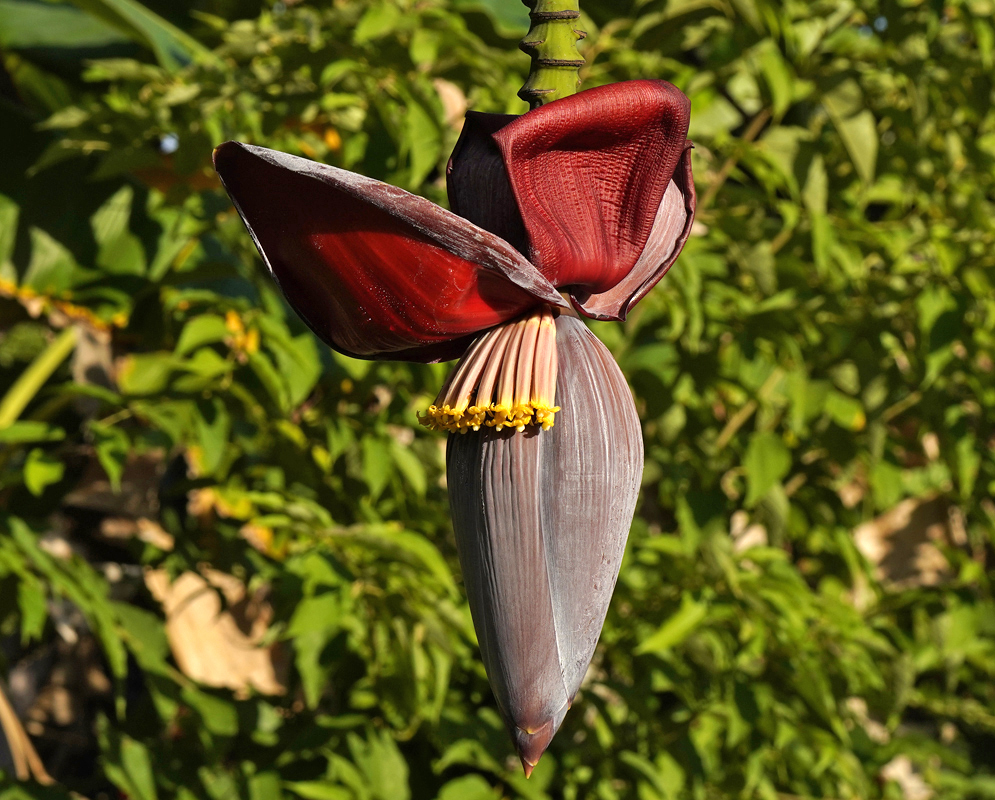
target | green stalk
[
  {"x": 552, "y": 43},
  {"x": 34, "y": 377}
]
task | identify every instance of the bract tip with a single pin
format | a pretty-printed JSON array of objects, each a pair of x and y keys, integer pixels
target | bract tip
[{"x": 531, "y": 745}]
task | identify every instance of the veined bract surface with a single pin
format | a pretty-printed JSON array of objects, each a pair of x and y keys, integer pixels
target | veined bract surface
[{"x": 541, "y": 520}]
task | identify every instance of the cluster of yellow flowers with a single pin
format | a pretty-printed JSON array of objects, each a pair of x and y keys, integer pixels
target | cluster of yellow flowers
[
  {"x": 38, "y": 303},
  {"x": 242, "y": 340},
  {"x": 506, "y": 379},
  {"x": 454, "y": 418}
]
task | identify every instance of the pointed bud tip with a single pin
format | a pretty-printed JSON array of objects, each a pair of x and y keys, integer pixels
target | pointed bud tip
[{"x": 531, "y": 746}]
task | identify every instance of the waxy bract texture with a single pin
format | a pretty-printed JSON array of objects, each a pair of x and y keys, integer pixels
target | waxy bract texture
[
  {"x": 541, "y": 520},
  {"x": 591, "y": 196}
]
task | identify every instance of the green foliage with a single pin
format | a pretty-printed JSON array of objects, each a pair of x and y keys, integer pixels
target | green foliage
[{"x": 818, "y": 362}]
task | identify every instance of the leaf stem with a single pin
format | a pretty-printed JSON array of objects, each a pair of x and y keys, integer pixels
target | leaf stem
[
  {"x": 33, "y": 378},
  {"x": 552, "y": 44}
]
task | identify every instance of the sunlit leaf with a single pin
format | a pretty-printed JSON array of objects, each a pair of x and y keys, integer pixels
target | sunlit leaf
[
  {"x": 41, "y": 470},
  {"x": 172, "y": 47},
  {"x": 766, "y": 462}
]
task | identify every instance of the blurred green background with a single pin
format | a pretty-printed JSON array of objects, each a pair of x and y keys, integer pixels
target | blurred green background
[{"x": 226, "y": 565}]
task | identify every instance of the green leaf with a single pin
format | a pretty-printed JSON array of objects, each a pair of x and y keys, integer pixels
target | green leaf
[
  {"x": 219, "y": 782},
  {"x": 424, "y": 46},
  {"x": 378, "y": 21},
  {"x": 816, "y": 192},
  {"x": 32, "y": 24},
  {"x": 201, "y": 330},
  {"x": 218, "y": 716},
  {"x": 263, "y": 367},
  {"x": 509, "y": 20},
  {"x": 318, "y": 790},
  {"x": 887, "y": 485},
  {"x": 847, "y": 412},
  {"x": 40, "y": 87},
  {"x": 297, "y": 358},
  {"x": 748, "y": 10},
  {"x": 123, "y": 255},
  {"x": 645, "y": 768},
  {"x": 41, "y": 470},
  {"x": 468, "y": 787},
  {"x": 23, "y": 432},
  {"x": 138, "y": 767},
  {"x": 120, "y": 252},
  {"x": 411, "y": 467},
  {"x": 931, "y": 304},
  {"x": 172, "y": 47},
  {"x": 315, "y": 620},
  {"x": 145, "y": 373},
  {"x": 32, "y": 602},
  {"x": 400, "y": 544},
  {"x": 856, "y": 125},
  {"x": 265, "y": 786},
  {"x": 355, "y": 368},
  {"x": 53, "y": 269},
  {"x": 204, "y": 367},
  {"x": 111, "y": 220},
  {"x": 112, "y": 448},
  {"x": 9, "y": 213},
  {"x": 677, "y": 627},
  {"x": 145, "y": 637},
  {"x": 967, "y": 456},
  {"x": 778, "y": 78},
  {"x": 382, "y": 764},
  {"x": 377, "y": 465},
  {"x": 766, "y": 462},
  {"x": 424, "y": 142},
  {"x": 213, "y": 426},
  {"x": 308, "y": 648}
]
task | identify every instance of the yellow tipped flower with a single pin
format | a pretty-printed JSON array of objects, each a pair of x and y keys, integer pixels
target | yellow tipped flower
[{"x": 507, "y": 379}]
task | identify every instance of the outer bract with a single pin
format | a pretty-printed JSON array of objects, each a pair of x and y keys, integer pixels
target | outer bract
[
  {"x": 541, "y": 520},
  {"x": 375, "y": 271}
]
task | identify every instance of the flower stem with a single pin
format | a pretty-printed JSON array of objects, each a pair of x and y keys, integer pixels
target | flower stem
[{"x": 552, "y": 43}]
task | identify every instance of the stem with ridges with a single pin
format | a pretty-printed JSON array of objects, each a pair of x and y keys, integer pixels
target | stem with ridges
[{"x": 552, "y": 43}]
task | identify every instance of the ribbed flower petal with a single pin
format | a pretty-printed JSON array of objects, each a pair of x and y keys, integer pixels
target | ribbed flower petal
[
  {"x": 589, "y": 173},
  {"x": 375, "y": 271},
  {"x": 670, "y": 231},
  {"x": 541, "y": 519}
]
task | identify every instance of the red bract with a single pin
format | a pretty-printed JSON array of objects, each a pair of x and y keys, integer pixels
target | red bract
[
  {"x": 590, "y": 195},
  {"x": 374, "y": 270},
  {"x": 601, "y": 183},
  {"x": 594, "y": 189}
]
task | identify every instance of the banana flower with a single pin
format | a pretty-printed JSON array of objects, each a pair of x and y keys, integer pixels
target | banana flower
[{"x": 590, "y": 196}]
